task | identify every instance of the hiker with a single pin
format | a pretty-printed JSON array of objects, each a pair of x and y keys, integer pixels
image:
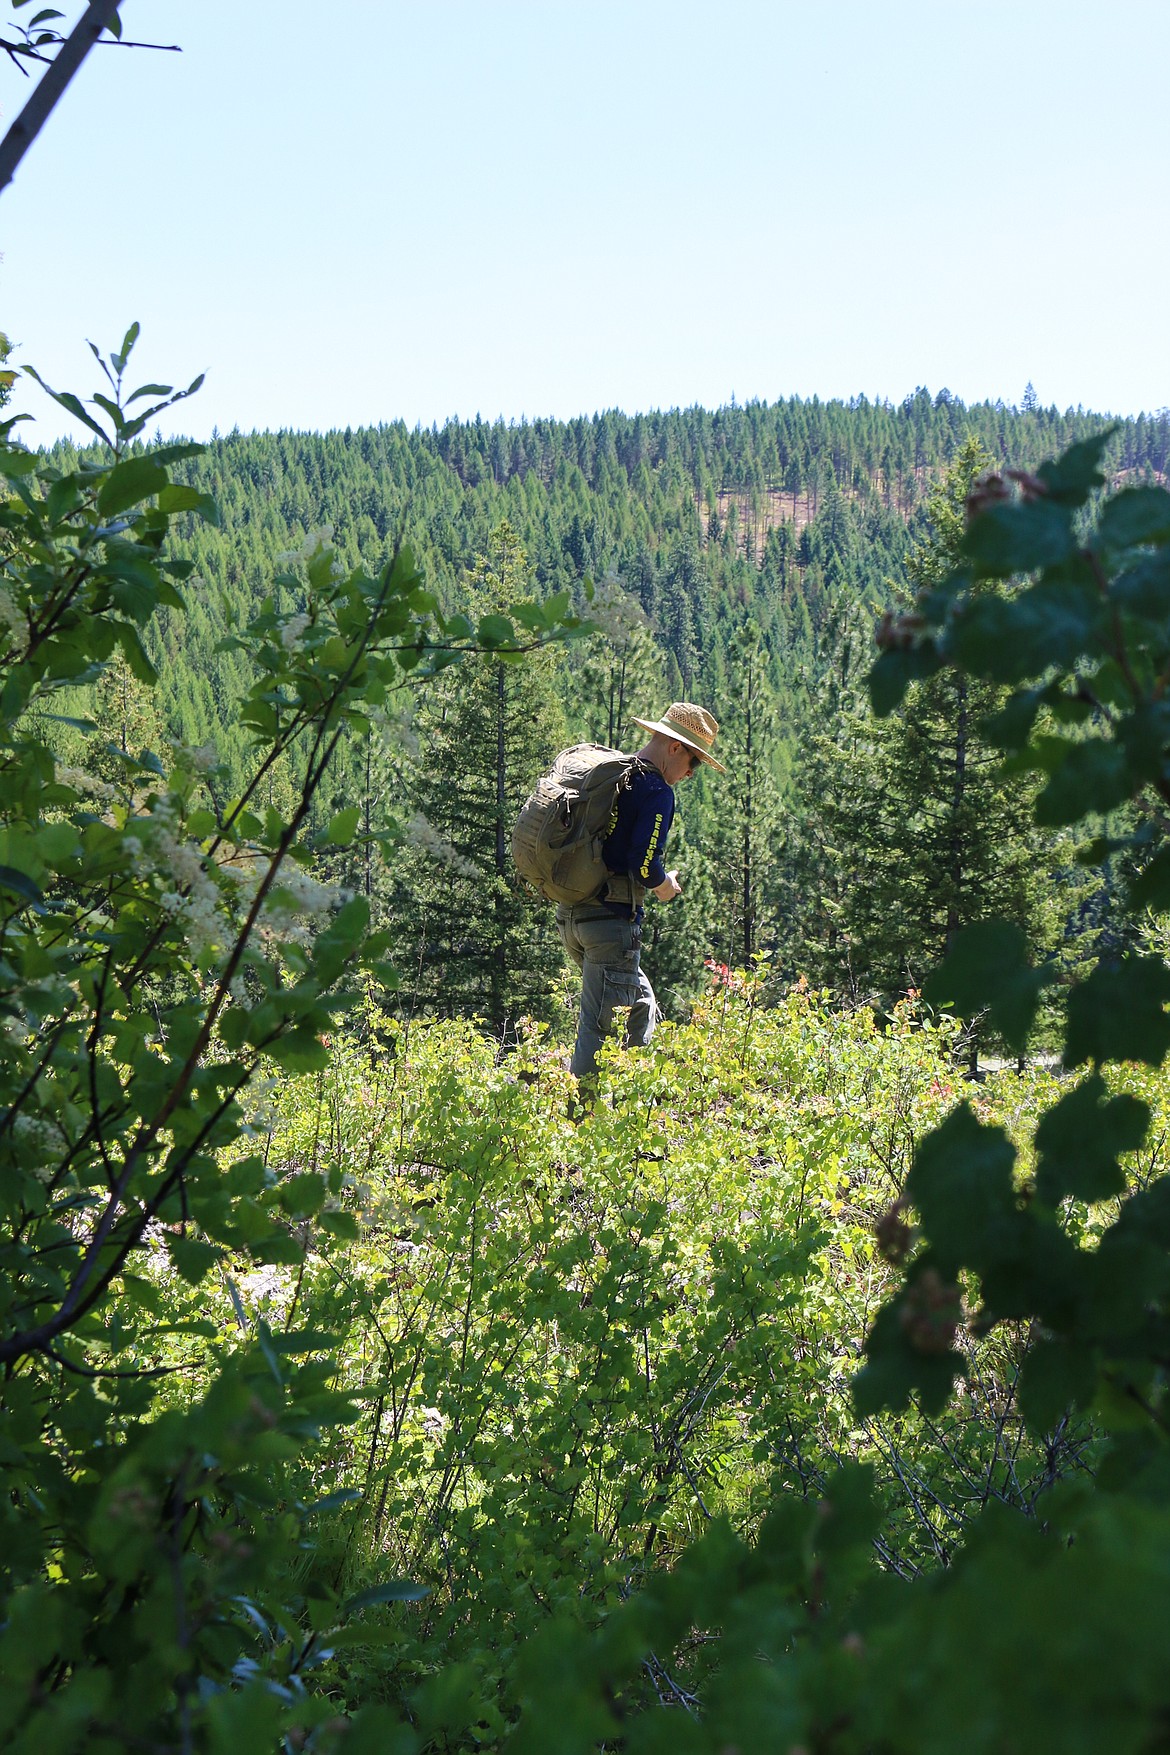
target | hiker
[{"x": 603, "y": 935}]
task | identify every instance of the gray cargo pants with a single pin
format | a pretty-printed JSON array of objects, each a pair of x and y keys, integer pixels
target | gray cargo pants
[{"x": 607, "y": 950}]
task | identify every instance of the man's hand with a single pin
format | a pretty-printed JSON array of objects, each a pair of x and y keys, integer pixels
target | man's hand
[{"x": 669, "y": 888}]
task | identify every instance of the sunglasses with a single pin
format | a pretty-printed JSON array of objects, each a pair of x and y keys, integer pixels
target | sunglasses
[{"x": 693, "y": 763}]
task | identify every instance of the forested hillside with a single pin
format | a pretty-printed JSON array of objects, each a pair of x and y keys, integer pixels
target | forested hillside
[
  {"x": 737, "y": 557},
  {"x": 770, "y": 510}
]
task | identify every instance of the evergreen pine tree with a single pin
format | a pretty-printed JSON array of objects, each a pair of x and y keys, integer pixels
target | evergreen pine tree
[
  {"x": 476, "y": 943},
  {"x": 831, "y": 803},
  {"x": 932, "y": 834},
  {"x": 746, "y": 820},
  {"x": 619, "y": 673}
]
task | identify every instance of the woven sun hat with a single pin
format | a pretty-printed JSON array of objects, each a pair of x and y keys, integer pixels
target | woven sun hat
[{"x": 691, "y": 725}]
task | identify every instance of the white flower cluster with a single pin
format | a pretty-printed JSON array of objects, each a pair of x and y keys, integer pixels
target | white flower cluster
[
  {"x": 317, "y": 542},
  {"x": 305, "y": 895},
  {"x": 424, "y": 835},
  {"x": 200, "y": 759},
  {"x": 292, "y": 633},
  {"x": 13, "y": 618},
  {"x": 434, "y": 1423},
  {"x": 262, "y": 1104},
  {"x": 43, "y": 1136},
  {"x": 82, "y": 782},
  {"x": 318, "y": 545},
  {"x": 192, "y": 896},
  {"x": 264, "y": 1284},
  {"x": 618, "y": 615}
]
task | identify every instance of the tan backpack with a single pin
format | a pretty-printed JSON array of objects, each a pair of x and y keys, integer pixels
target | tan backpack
[{"x": 569, "y": 814}]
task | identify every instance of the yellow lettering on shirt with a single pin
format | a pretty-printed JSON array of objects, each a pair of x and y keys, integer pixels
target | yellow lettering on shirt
[{"x": 649, "y": 859}]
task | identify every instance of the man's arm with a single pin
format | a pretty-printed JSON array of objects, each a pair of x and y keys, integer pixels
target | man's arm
[{"x": 653, "y": 815}]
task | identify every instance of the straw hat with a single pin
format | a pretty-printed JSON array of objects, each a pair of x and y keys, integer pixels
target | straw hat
[{"x": 690, "y": 725}]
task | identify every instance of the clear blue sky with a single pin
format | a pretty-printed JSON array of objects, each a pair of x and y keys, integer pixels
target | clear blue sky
[{"x": 348, "y": 215}]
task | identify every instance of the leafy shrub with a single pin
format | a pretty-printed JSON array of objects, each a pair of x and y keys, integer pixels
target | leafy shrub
[{"x": 155, "y": 954}]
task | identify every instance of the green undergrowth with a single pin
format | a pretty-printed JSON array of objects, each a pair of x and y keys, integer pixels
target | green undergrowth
[{"x": 574, "y": 1347}]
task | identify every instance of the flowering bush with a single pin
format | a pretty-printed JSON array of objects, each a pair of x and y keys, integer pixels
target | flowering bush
[{"x": 161, "y": 948}]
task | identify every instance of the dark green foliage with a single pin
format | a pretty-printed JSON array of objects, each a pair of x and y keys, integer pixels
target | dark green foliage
[
  {"x": 930, "y": 834},
  {"x": 471, "y": 938},
  {"x": 164, "y": 939},
  {"x": 1108, "y": 664}
]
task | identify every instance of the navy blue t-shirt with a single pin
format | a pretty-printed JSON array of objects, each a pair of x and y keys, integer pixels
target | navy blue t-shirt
[{"x": 645, "y": 812}]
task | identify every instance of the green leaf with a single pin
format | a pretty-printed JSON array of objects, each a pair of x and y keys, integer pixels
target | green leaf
[
  {"x": 1071, "y": 478},
  {"x": 1137, "y": 515},
  {"x": 1018, "y": 536},
  {"x": 278, "y": 1247},
  {"x": 1120, "y": 1014},
  {"x": 895, "y": 1372},
  {"x": 14, "y": 462},
  {"x": 86, "y": 725},
  {"x": 495, "y": 630},
  {"x": 961, "y": 1183},
  {"x": 395, "y": 1590},
  {"x": 303, "y": 1195},
  {"x": 141, "y": 1292},
  {"x": 893, "y": 673},
  {"x": 119, "y": 359},
  {"x": 1011, "y": 727},
  {"x": 305, "y": 1340},
  {"x": 849, "y": 1516},
  {"x": 529, "y": 615},
  {"x": 58, "y": 844},
  {"x": 1079, "y": 1139},
  {"x": 989, "y": 969},
  {"x": 341, "y": 939},
  {"x": 1144, "y": 588},
  {"x": 342, "y": 829},
  {"x": 1151, "y": 888},
  {"x": 1056, "y": 1375},
  {"x": 128, "y": 483},
  {"x": 299, "y": 1051},
  {"x": 333, "y": 1501},
  {"x": 135, "y": 653},
  {"x": 67, "y": 400},
  {"x": 244, "y": 1718},
  {"x": 1091, "y": 776},
  {"x": 18, "y": 884},
  {"x": 1011, "y": 638},
  {"x": 177, "y": 498},
  {"x": 178, "y": 452},
  {"x": 340, "y": 1224},
  {"x": 193, "y": 1258}
]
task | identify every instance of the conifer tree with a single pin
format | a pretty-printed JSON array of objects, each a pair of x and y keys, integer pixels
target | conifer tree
[
  {"x": 474, "y": 942},
  {"x": 621, "y": 670},
  {"x": 830, "y": 803},
  {"x": 932, "y": 835},
  {"x": 746, "y": 820}
]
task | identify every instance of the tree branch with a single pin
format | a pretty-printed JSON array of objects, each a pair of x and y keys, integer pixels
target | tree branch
[{"x": 96, "y": 18}]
